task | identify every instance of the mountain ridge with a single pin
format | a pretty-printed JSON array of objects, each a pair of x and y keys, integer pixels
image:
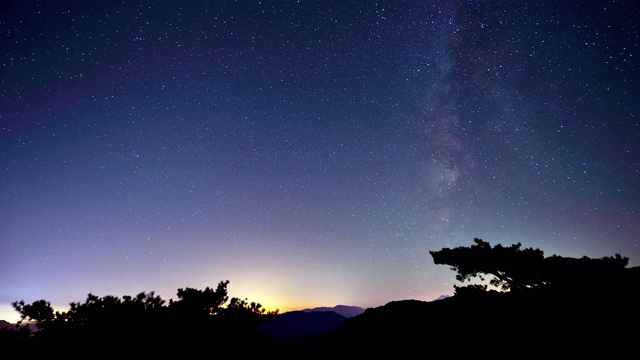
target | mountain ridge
[{"x": 347, "y": 311}]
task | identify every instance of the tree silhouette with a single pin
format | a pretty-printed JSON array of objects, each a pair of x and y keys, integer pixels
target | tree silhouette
[
  {"x": 511, "y": 267},
  {"x": 39, "y": 311},
  {"x": 580, "y": 307},
  {"x": 514, "y": 268},
  {"x": 249, "y": 312},
  {"x": 201, "y": 302},
  {"x": 145, "y": 321}
]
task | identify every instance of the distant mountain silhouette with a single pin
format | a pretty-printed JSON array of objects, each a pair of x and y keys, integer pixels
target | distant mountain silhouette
[
  {"x": 7, "y": 325},
  {"x": 294, "y": 325},
  {"x": 344, "y": 310}
]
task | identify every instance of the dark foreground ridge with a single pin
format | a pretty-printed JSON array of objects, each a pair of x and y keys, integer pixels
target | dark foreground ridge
[
  {"x": 548, "y": 307},
  {"x": 572, "y": 324}
]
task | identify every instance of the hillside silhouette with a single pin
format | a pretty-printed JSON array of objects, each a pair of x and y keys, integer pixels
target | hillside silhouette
[
  {"x": 504, "y": 326},
  {"x": 297, "y": 325},
  {"x": 553, "y": 307},
  {"x": 525, "y": 305}
]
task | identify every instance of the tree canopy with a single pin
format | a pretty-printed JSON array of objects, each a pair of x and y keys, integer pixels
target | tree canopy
[
  {"x": 144, "y": 319},
  {"x": 515, "y": 268}
]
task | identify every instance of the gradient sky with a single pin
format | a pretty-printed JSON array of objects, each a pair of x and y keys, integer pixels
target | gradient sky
[{"x": 310, "y": 152}]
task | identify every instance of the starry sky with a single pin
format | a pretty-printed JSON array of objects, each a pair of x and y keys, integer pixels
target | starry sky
[{"x": 310, "y": 152}]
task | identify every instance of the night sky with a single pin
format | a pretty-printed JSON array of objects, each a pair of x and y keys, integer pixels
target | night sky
[{"x": 310, "y": 152}]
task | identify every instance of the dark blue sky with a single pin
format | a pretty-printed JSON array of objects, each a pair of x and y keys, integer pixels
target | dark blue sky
[{"x": 311, "y": 152}]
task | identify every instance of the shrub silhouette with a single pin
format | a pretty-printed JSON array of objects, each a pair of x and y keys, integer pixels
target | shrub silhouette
[{"x": 145, "y": 323}]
